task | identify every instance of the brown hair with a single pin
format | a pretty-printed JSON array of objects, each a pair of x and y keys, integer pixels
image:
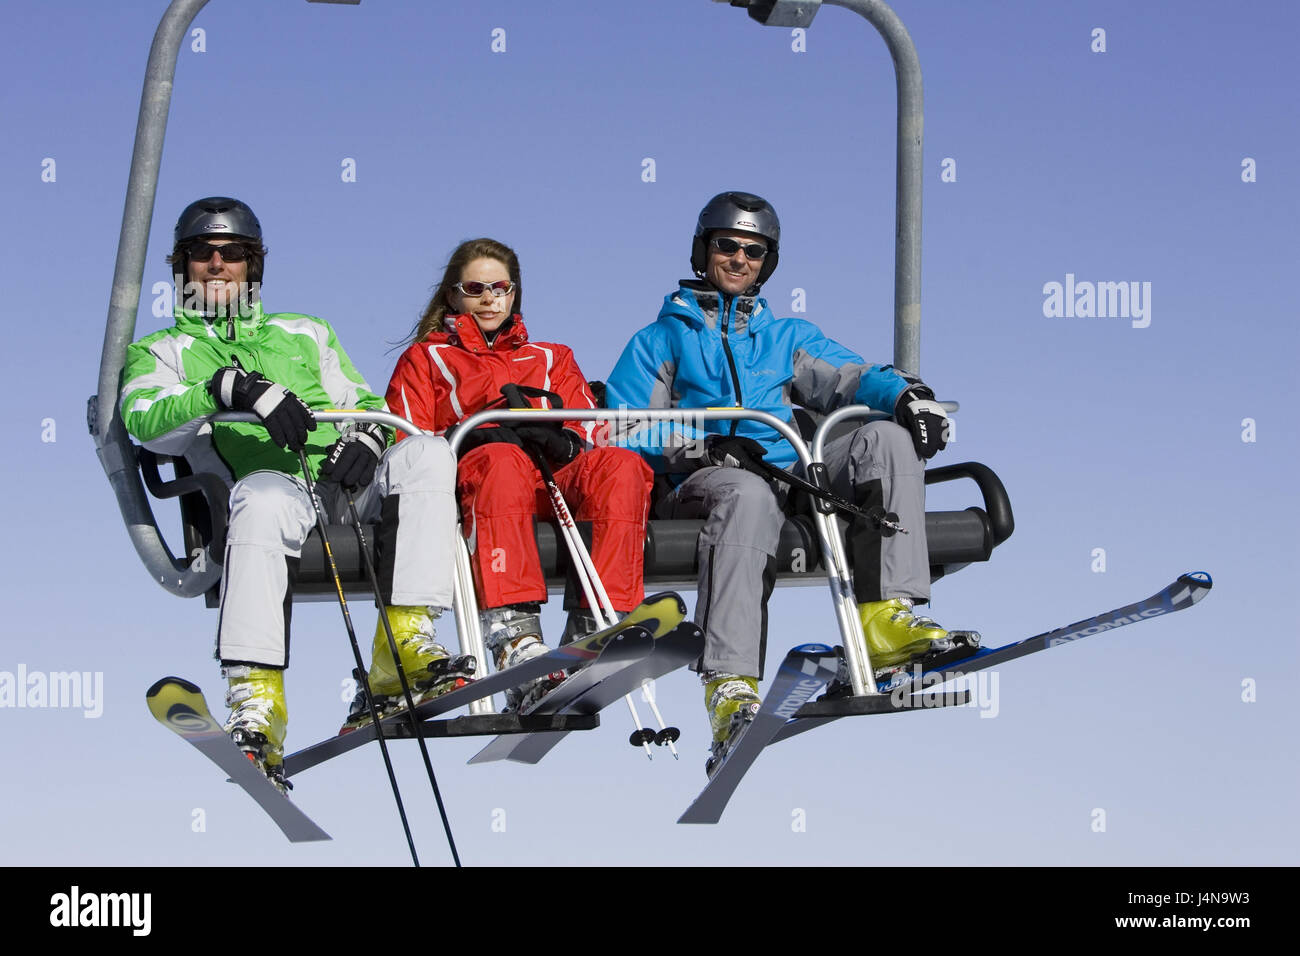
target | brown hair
[{"x": 466, "y": 252}]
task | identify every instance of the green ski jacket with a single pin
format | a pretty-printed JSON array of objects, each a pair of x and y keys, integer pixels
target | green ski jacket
[{"x": 165, "y": 400}]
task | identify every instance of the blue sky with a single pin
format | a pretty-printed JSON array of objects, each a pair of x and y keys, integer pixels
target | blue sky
[{"x": 1122, "y": 166}]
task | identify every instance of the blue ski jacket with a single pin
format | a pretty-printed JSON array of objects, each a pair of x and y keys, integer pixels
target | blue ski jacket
[{"x": 710, "y": 350}]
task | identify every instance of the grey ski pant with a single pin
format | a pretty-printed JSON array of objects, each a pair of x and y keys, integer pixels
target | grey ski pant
[
  {"x": 876, "y": 463},
  {"x": 412, "y": 495}
]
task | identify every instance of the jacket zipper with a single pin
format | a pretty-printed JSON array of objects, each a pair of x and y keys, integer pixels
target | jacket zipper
[{"x": 728, "y": 303}]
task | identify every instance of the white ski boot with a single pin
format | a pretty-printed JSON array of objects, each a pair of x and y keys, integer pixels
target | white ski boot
[{"x": 513, "y": 634}]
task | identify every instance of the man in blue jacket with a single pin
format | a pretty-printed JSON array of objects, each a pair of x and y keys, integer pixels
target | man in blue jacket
[{"x": 716, "y": 343}]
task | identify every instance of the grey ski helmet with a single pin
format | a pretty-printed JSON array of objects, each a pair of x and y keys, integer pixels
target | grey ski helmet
[
  {"x": 743, "y": 212},
  {"x": 219, "y": 216}
]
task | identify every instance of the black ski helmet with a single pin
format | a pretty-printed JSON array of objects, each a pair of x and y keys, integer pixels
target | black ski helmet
[
  {"x": 219, "y": 216},
  {"x": 743, "y": 212}
]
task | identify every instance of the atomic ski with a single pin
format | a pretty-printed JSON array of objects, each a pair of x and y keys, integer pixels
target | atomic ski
[
  {"x": 1183, "y": 593},
  {"x": 675, "y": 649},
  {"x": 179, "y": 706},
  {"x": 658, "y": 614},
  {"x": 804, "y": 671}
]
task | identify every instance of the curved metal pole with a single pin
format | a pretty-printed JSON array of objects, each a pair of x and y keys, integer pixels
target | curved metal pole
[
  {"x": 111, "y": 442},
  {"x": 911, "y": 125},
  {"x": 112, "y": 445},
  {"x": 859, "y": 669},
  {"x": 907, "y": 216},
  {"x": 855, "y": 652}
]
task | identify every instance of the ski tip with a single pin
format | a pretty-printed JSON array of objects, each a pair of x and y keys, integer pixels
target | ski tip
[
  {"x": 667, "y": 595},
  {"x": 180, "y": 682},
  {"x": 812, "y": 649},
  {"x": 179, "y": 706},
  {"x": 1201, "y": 578},
  {"x": 695, "y": 816}
]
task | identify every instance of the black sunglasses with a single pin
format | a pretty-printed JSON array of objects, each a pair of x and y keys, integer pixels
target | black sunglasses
[
  {"x": 728, "y": 247},
  {"x": 230, "y": 252}
]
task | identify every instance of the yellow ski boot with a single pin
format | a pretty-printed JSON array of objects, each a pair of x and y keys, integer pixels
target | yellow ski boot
[
  {"x": 731, "y": 701},
  {"x": 895, "y": 635},
  {"x": 258, "y": 716},
  {"x": 428, "y": 668}
]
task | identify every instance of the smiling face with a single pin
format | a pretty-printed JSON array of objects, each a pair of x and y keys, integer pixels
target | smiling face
[
  {"x": 221, "y": 280},
  {"x": 490, "y": 311},
  {"x": 732, "y": 274}
]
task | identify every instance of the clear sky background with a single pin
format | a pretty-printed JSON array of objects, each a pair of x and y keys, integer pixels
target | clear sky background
[{"x": 1125, "y": 165}]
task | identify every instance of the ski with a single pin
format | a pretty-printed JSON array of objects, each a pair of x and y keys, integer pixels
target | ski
[
  {"x": 804, "y": 671},
  {"x": 675, "y": 649},
  {"x": 636, "y": 644},
  {"x": 658, "y": 613},
  {"x": 180, "y": 707},
  {"x": 1187, "y": 590}
]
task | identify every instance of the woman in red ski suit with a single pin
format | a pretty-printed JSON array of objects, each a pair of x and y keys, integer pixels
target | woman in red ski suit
[{"x": 470, "y": 342}]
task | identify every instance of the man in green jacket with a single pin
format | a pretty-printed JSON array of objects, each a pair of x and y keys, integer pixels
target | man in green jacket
[{"x": 225, "y": 353}]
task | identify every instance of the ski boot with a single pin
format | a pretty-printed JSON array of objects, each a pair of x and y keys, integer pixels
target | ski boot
[
  {"x": 731, "y": 702},
  {"x": 258, "y": 717},
  {"x": 581, "y": 623},
  {"x": 897, "y": 640},
  {"x": 963, "y": 645},
  {"x": 513, "y": 634},
  {"x": 429, "y": 670}
]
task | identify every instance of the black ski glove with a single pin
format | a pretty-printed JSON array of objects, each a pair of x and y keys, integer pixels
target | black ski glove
[
  {"x": 286, "y": 418},
  {"x": 484, "y": 435},
  {"x": 552, "y": 441},
  {"x": 918, "y": 412},
  {"x": 352, "y": 459},
  {"x": 732, "y": 451}
]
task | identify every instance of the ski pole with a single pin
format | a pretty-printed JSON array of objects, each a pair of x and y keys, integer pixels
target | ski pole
[
  {"x": 360, "y": 671},
  {"x": 585, "y": 569},
  {"x": 666, "y": 734},
  {"x": 583, "y": 566},
  {"x": 401, "y": 675},
  {"x": 886, "y": 521}
]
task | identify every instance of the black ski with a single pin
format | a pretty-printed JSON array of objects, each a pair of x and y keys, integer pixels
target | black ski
[
  {"x": 179, "y": 706},
  {"x": 801, "y": 675},
  {"x": 658, "y": 613},
  {"x": 805, "y": 666},
  {"x": 1187, "y": 590},
  {"x": 679, "y": 647}
]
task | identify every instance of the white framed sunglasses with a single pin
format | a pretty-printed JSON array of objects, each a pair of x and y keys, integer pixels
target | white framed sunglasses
[{"x": 473, "y": 289}]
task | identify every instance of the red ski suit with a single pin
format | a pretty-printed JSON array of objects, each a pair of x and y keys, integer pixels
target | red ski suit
[{"x": 449, "y": 376}]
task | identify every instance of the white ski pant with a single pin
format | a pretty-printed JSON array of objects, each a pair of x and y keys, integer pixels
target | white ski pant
[
  {"x": 736, "y": 551},
  {"x": 413, "y": 497}
]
